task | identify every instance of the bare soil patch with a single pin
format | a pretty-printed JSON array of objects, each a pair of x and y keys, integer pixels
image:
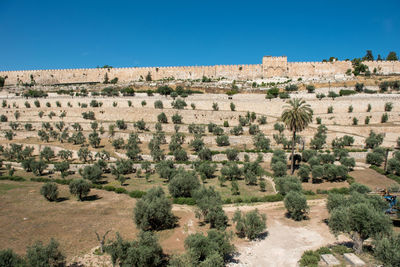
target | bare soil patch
[
  {"x": 286, "y": 240},
  {"x": 27, "y": 217},
  {"x": 372, "y": 179}
]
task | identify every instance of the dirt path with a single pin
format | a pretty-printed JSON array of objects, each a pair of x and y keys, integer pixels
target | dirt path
[{"x": 286, "y": 240}]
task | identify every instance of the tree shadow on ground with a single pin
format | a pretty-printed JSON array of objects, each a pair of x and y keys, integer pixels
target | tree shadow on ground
[
  {"x": 262, "y": 236},
  {"x": 62, "y": 199},
  {"x": 91, "y": 198},
  {"x": 233, "y": 258}
]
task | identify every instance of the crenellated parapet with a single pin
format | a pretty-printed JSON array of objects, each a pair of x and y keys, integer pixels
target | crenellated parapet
[{"x": 271, "y": 67}]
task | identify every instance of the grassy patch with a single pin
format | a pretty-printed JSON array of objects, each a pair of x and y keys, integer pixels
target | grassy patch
[{"x": 6, "y": 187}]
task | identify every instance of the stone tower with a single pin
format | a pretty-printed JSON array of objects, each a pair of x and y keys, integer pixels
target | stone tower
[{"x": 274, "y": 66}]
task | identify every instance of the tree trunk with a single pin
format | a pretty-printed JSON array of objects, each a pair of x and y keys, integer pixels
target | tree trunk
[
  {"x": 293, "y": 141},
  {"x": 357, "y": 243}
]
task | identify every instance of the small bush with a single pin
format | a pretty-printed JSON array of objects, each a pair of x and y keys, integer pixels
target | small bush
[
  {"x": 310, "y": 88},
  {"x": 309, "y": 258},
  {"x": 49, "y": 191},
  {"x": 384, "y": 118},
  {"x": 388, "y": 106},
  {"x": 176, "y": 118},
  {"x": 162, "y": 118},
  {"x": 359, "y": 87},
  {"x": 136, "y": 194},
  {"x": 158, "y": 104},
  {"x": 222, "y": 140},
  {"x": 215, "y": 106}
]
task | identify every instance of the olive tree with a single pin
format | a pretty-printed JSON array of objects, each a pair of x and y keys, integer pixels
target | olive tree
[
  {"x": 387, "y": 250},
  {"x": 209, "y": 205},
  {"x": 210, "y": 250},
  {"x": 79, "y": 188},
  {"x": 154, "y": 211},
  {"x": 250, "y": 224},
  {"x": 288, "y": 183},
  {"x": 45, "y": 255},
  {"x": 183, "y": 183},
  {"x": 358, "y": 215},
  {"x": 92, "y": 173},
  {"x": 146, "y": 251},
  {"x": 62, "y": 167},
  {"x": 296, "y": 205}
]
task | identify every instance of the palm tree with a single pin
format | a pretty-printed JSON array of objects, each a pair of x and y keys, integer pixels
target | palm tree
[{"x": 296, "y": 116}]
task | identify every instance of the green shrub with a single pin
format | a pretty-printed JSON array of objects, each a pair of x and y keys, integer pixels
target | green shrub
[
  {"x": 121, "y": 190},
  {"x": 388, "y": 106},
  {"x": 387, "y": 250},
  {"x": 184, "y": 201},
  {"x": 286, "y": 184},
  {"x": 384, "y": 118},
  {"x": 209, "y": 250},
  {"x": 40, "y": 255},
  {"x": 309, "y": 259},
  {"x": 49, "y": 191},
  {"x": 310, "y": 88},
  {"x": 340, "y": 249},
  {"x": 145, "y": 251},
  {"x": 360, "y": 188},
  {"x": 375, "y": 158},
  {"x": 178, "y": 104},
  {"x": 232, "y": 154},
  {"x": 222, "y": 140},
  {"x": 374, "y": 140},
  {"x": 176, "y": 118},
  {"x": 359, "y": 87},
  {"x": 10, "y": 259},
  {"x": 323, "y": 250},
  {"x": 344, "y": 92},
  {"x": 158, "y": 104},
  {"x": 279, "y": 168},
  {"x": 136, "y": 194}
]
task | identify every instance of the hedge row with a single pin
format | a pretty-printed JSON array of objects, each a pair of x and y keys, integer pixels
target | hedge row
[
  {"x": 267, "y": 198},
  {"x": 345, "y": 92},
  {"x": 184, "y": 201},
  {"x": 118, "y": 190},
  {"x": 342, "y": 190},
  {"x": 13, "y": 178}
]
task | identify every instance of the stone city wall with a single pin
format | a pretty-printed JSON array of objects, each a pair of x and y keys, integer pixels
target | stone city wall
[{"x": 270, "y": 67}]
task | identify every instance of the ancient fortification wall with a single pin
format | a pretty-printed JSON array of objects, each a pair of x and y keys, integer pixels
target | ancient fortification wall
[{"x": 270, "y": 67}]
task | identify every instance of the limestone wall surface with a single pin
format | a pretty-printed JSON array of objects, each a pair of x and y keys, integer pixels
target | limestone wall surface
[{"x": 270, "y": 67}]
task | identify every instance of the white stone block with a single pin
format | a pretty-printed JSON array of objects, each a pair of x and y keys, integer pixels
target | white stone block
[
  {"x": 353, "y": 259},
  {"x": 330, "y": 260}
]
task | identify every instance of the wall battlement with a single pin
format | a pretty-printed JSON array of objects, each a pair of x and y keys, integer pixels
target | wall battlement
[{"x": 271, "y": 67}]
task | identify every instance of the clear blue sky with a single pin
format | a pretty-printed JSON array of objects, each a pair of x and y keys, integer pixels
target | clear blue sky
[{"x": 82, "y": 34}]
